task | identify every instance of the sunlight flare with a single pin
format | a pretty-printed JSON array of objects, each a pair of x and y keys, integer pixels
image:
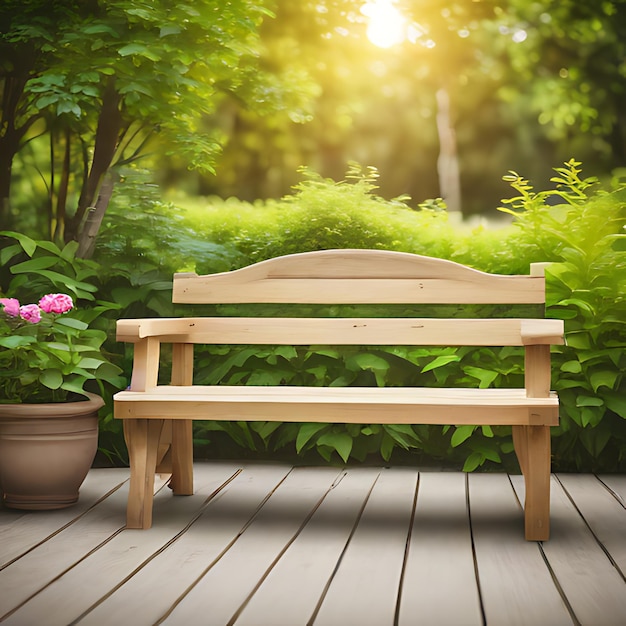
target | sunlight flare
[{"x": 387, "y": 26}]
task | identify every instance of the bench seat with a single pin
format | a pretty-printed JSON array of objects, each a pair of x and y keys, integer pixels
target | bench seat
[{"x": 361, "y": 405}]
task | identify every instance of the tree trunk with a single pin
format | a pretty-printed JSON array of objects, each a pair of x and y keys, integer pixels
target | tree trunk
[
  {"x": 6, "y": 162},
  {"x": 93, "y": 219},
  {"x": 64, "y": 183},
  {"x": 10, "y": 141},
  {"x": 106, "y": 141},
  {"x": 448, "y": 161}
]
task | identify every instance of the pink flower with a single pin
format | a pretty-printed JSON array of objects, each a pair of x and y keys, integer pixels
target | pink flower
[
  {"x": 30, "y": 313},
  {"x": 56, "y": 303},
  {"x": 11, "y": 306}
]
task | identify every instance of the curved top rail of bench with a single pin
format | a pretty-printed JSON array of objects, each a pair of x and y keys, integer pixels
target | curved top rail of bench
[{"x": 357, "y": 277}]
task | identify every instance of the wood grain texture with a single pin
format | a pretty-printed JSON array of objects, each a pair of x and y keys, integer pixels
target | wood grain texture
[
  {"x": 372, "y": 565},
  {"x": 357, "y": 276},
  {"x": 162, "y": 581},
  {"x": 343, "y": 331},
  {"x": 361, "y": 405},
  {"x": 439, "y": 582},
  {"x": 516, "y": 585},
  {"x": 226, "y": 585},
  {"x": 88, "y": 570},
  {"x": 21, "y": 532},
  {"x": 592, "y": 584},
  {"x": 312, "y": 558}
]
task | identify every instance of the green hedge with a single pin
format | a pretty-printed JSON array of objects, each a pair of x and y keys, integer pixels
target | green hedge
[{"x": 578, "y": 226}]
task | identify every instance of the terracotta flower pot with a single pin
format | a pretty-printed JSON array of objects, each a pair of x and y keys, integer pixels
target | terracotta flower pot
[{"x": 46, "y": 451}]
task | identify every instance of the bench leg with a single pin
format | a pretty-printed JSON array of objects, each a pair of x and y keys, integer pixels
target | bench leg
[
  {"x": 164, "y": 453},
  {"x": 532, "y": 446},
  {"x": 182, "y": 458},
  {"x": 142, "y": 439}
]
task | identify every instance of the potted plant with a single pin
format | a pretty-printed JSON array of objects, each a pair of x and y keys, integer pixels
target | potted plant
[{"x": 51, "y": 361}]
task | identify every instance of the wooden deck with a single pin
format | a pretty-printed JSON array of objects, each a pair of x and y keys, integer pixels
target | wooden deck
[{"x": 269, "y": 545}]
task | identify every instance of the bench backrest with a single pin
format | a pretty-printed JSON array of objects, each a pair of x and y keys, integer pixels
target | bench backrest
[
  {"x": 347, "y": 277},
  {"x": 358, "y": 277}
]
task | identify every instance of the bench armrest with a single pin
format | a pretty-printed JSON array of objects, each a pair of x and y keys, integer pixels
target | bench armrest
[
  {"x": 542, "y": 332},
  {"x": 346, "y": 331}
]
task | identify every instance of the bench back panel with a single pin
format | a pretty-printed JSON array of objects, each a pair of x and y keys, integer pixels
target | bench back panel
[{"x": 357, "y": 277}]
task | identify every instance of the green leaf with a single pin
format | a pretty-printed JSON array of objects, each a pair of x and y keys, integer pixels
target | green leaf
[
  {"x": 287, "y": 352},
  {"x": 89, "y": 363},
  {"x": 52, "y": 379},
  {"x": 595, "y": 439},
  {"x": 487, "y": 431},
  {"x": 341, "y": 442},
  {"x": 264, "y": 429},
  {"x": 372, "y": 429},
  {"x": 29, "y": 245},
  {"x": 604, "y": 378},
  {"x": 15, "y": 341},
  {"x": 273, "y": 376},
  {"x": 71, "y": 322},
  {"x": 582, "y": 400},
  {"x": 486, "y": 377},
  {"x": 572, "y": 367},
  {"x": 7, "y": 253},
  {"x": 172, "y": 29},
  {"x": 473, "y": 461},
  {"x": 370, "y": 362},
  {"x": 131, "y": 48},
  {"x": 305, "y": 433},
  {"x": 235, "y": 360},
  {"x": 578, "y": 340},
  {"x": 34, "y": 265},
  {"x": 461, "y": 434},
  {"x": 580, "y": 304},
  {"x": 616, "y": 402},
  {"x": 440, "y": 361}
]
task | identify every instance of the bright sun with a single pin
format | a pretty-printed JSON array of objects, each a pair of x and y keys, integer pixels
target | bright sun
[{"x": 386, "y": 25}]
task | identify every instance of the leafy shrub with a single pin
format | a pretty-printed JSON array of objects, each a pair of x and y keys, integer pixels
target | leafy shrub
[
  {"x": 581, "y": 228},
  {"x": 577, "y": 226},
  {"x": 322, "y": 214},
  {"x": 30, "y": 268}
]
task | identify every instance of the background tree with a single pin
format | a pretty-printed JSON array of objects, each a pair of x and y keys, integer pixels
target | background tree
[
  {"x": 88, "y": 87},
  {"x": 571, "y": 71},
  {"x": 379, "y": 107},
  {"x": 104, "y": 79}
]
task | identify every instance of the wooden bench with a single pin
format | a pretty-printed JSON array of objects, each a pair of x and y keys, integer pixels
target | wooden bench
[{"x": 158, "y": 418}]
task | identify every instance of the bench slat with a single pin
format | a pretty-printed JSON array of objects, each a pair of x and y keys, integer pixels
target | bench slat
[
  {"x": 360, "y": 405},
  {"x": 346, "y": 331},
  {"x": 358, "y": 277},
  {"x": 500, "y": 290}
]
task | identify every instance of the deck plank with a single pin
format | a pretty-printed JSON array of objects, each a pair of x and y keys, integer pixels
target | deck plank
[
  {"x": 312, "y": 557},
  {"x": 617, "y": 484},
  {"x": 119, "y": 553},
  {"x": 21, "y": 531},
  {"x": 269, "y": 557},
  {"x": 604, "y": 513},
  {"x": 227, "y": 584},
  {"x": 440, "y": 562},
  {"x": 38, "y": 568},
  {"x": 159, "y": 585},
  {"x": 516, "y": 586},
  {"x": 594, "y": 587},
  {"x": 367, "y": 582}
]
